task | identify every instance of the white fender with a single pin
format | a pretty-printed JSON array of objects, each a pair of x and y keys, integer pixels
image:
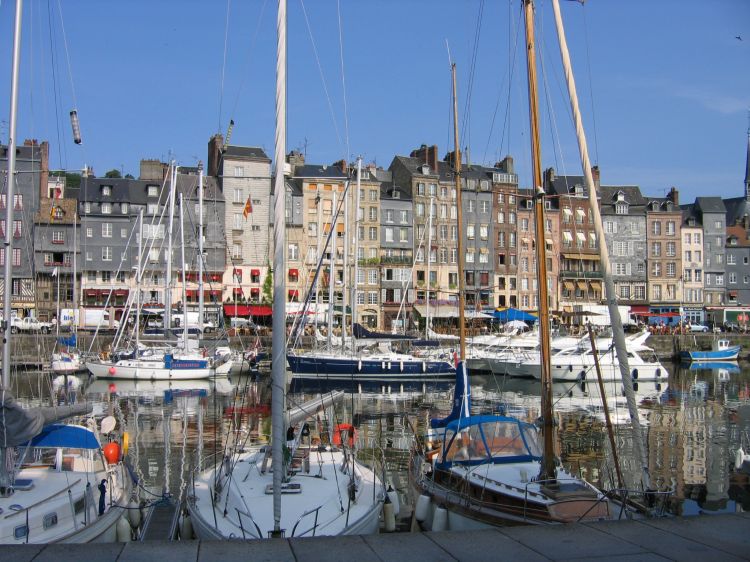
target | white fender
[
  {"x": 423, "y": 507},
  {"x": 440, "y": 519},
  {"x": 424, "y": 367},
  {"x": 123, "y": 530},
  {"x": 401, "y": 366},
  {"x": 134, "y": 514},
  {"x": 359, "y": 366},
  {"x": 393, "y": 496}
]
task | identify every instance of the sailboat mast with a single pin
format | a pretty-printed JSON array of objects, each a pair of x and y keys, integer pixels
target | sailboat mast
[
  {"x": 427, "y": 257},
  {"x": 168, "y": 277},
  {"x": 548, "y": 461},
  {"x": 278, "y": 362},
  {"x": 459, "y": 217},
  {"x": 353, "y": 280},
  {"x": 11, "y": 180},
  {"x": 75, "y": 272},
  {"x": 138, "y": 276},
  {"x": 332, "y": 263},
  {"x": 201, "y": 299},
  {"x": 182, "y": 259},
  {"x": 618, "y": 333}
]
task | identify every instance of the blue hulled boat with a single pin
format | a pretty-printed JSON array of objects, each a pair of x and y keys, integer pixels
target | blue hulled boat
[{"x": 721, "y": 350}]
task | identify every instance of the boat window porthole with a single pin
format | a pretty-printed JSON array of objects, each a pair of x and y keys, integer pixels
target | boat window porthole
[
  {"x": 50, "y": 520},
  {"x": 21, "y": 531}
]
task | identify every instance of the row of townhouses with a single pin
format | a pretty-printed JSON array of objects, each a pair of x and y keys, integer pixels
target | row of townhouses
[{"x": 384, "y": 241}]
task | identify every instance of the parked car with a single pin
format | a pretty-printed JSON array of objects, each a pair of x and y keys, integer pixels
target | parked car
[
  {"x": 698, "y": 328},
  {"x": 734, "y": 327},
  {"x": 29, "y": 325}
]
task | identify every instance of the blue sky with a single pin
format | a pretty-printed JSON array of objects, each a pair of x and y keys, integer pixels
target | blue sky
[{"x": 670, "y": 83}]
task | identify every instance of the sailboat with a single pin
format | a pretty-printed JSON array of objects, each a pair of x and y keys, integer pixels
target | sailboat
[
  {"x": 48, "y": 471},
  {"x": 355, "y": 358},
  {"x": 68, "y": 360},
  {"x": 165, "y": 360},
  {"x": 497, "y": 470},
  {"x": 295, "y": 487}
]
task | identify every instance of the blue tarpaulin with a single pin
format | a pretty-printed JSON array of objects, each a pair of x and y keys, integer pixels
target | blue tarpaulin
[
  {"x": 509, "y": 314},
  {"x": 66, "y": 436},
  {"x": 70, "y": 342}
]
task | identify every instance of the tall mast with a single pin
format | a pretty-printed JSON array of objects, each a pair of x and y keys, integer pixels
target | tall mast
[
  {"x": 11, "y": 182},
  {"x": 138, "y": 277},
  {"x": 278, "y": 372},
  {"x": 182, "y": 269},
  {"x": 345, "y": 272},
  {"x": 168, "y": 276},
  {"x": 429, "y": 250},
  {"x": 353, "y": 281},
  {"x": 5, "y": 454},
  {"x": 201, "y": 301},
  {"x": 459, "y": 217},
  {"x": 332, "y": 263},
  {"x": 618, "y": 334},
  {"x": 547, "y": 471},
  {"x": 75, "y": 270}
]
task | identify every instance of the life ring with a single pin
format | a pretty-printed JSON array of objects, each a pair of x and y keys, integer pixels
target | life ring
[{"x": 350, "y": 431}]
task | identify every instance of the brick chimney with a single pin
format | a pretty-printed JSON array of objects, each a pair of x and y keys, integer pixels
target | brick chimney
[
  {"x": 341, "y": 165},
  {"x": 43, "y": 165},
  {"x": 215, "y": 145},
  {"x": 595, "y": 175},
  {"x": 427, "y": 155},
  {"x": 674, "y": 196}
]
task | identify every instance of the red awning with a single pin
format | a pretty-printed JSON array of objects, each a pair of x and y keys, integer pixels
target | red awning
[
  {"x": 191, "y": 292},
  {"x": 639, "y": 309},
  {"x": 92, "y": 292},
  {"x": 255, "y": 272},
  {"x": 255, "y": 291},
  {"x": 215, "y": 292},
  {"x": 121, "y": 292},
  {"x": 238, "y": 290},
  {"x": 733, "y": 294},
  {"x": 246, "y": 310},
  {"x": 293, "y": 272},
  {"x": 293, "y": 293}
]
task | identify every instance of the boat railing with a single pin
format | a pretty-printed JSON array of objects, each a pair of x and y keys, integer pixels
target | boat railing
[
  {"x": 654, "y": 502},
  {"x": 312, "y": 511},
  {"x": 240, "y": 513}
]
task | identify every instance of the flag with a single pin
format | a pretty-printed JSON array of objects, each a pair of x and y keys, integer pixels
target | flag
[
  {"x": 52, "y": 213},
  {"x": 58, "y": 190},
  {"x": 54, "y": 272},
  {"x": 248, "y": 207}
]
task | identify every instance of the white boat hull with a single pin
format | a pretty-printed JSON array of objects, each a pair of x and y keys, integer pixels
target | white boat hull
[{"x": 150, "y": 370}]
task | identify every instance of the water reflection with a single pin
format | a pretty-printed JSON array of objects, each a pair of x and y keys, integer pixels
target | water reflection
[{"x": 695, "y": 420}]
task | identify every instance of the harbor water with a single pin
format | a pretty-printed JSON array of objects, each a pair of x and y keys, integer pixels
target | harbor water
[{"x": 694, "y": 419}]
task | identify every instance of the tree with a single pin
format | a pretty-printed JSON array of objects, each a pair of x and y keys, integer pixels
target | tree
[
  {"x": 268, "y": 288},
  {"x": 113, "y": 173},
  {"x": 129, "y": 177}
]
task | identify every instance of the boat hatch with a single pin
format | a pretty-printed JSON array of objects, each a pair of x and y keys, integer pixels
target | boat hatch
[
  {"x": 286, "y": 488},
  {"x": 496, "y": 439}
]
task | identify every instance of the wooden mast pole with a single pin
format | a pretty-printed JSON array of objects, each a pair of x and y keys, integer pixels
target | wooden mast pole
[{"x": 548, "y": 471}]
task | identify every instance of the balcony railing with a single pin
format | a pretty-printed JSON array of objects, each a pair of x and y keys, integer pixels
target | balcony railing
[
  {"x": 396, "y": 260},
  {"x": 581, "y": 274}
]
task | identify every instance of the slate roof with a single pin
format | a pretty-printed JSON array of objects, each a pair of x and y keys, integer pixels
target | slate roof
[
  {"x": 387, "y": 188},
  {"x": 689, "y": 212},
  {"x": 737, "y": 207},
  {"x": 123, "y": 190},
  {"x": 632, "y": 196},
  {"x": 710, "y": 205},
  {"x": 295, "y": 186},
  {"x": 187, "y": 184},
  {"x": 564, "y": 185},
  {"x": 254, "y": 152},
  {"x": 320, "y": 171}
]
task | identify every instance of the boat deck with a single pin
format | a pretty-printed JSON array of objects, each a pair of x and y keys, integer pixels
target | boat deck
[{"x": 717, "y": 537}]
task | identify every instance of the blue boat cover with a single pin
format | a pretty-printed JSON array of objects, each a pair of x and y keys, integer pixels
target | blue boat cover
[
  {"x": 66, "y": 436},
  {"x": 70, "y": 341},
  {"x": 509, "y": 314}
]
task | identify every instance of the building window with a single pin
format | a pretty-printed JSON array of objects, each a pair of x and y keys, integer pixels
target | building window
[
  {"x": 656, "y": 292},
  {"x": 18, "y": 202},
  {"x": 239, "y": 171},
  {"x": 373, "y": 233},
  {"x": 17, "y": 229},
  {"x": 152, "y": 190},
  {"x": 293, "y": 253},
  {"x": 372, "y": 297},
  {"x": 106, "y": 253},
  {"x": 106, "y": 230},
  {"x": 236, "y": 251},
  {"x": 152, "y": 208},
  {"x": 106, "y": 208},
  {"x": 58, "y": 237},
  {"x": 656, "y": 228}
]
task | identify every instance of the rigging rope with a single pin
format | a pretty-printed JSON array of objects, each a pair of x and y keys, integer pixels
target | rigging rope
[
  {"x": 322, "y": 76},
  {"x": 343, "y": 79},
  {"x": 224, "y": 61}
]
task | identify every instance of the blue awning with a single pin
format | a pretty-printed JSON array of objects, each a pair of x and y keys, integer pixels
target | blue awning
[{"x": 66, "y": 436}]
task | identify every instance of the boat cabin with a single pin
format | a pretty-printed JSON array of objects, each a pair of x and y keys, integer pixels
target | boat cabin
[{"x": 495, "y": 439}]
